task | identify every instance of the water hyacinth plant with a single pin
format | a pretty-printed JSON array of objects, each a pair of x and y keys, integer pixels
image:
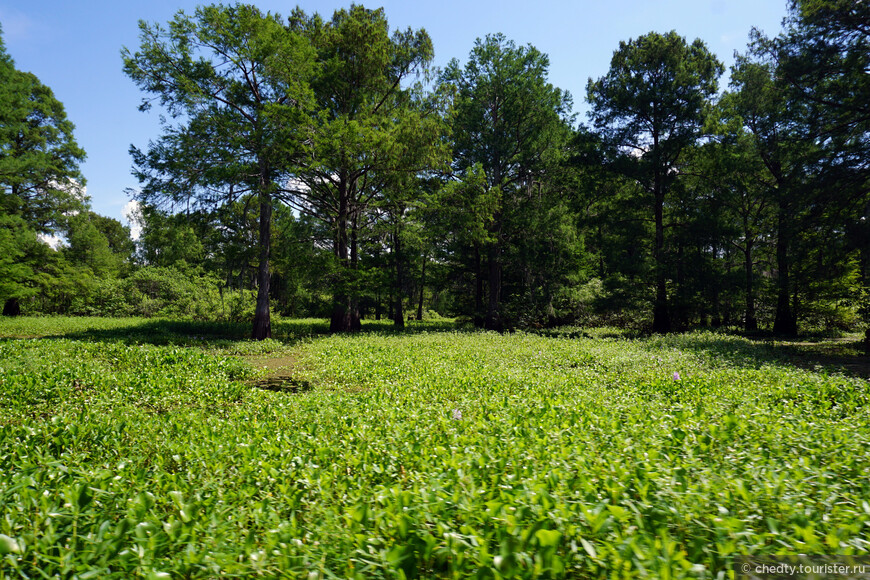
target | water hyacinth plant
[{"x": 574, "y": 457}]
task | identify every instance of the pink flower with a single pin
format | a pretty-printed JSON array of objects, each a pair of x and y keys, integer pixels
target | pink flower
[
  {"x": 676, "y": 376},
  {"x": 457, "y": 414}
]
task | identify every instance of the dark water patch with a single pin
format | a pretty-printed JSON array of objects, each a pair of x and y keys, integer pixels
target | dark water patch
[{"x": 283, "y": 384}]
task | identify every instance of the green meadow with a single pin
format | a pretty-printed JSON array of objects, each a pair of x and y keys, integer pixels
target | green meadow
[{"x": 156, "y": 449}]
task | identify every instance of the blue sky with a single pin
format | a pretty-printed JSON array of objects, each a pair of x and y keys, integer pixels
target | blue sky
[{"x": 74, "y": 46}]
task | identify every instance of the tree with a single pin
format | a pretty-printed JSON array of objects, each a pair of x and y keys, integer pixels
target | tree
[
  {"x": 301, "y": 257},
  {"x": 368, "y": 130},
  {"x": 734, "y": 173},
  {"x": 822, "y": 59},
  {"x": 15, "y": 272},
  {"x": 773, "y": 119},
  {"x": 168, "y": 241},
  {"x": 511, "y": 123},
  {"x": 459, "y": 216},
  {"x": 117, "y": 236},
  {"x": 40, "y": 181},
  {"x": 87, "y": 245},
  {"x": 824, "y": 56},
  {"x": 650, "y": 108},
  {"x": 398, "y": 221},
  {"x": 235, "y": 81},
  {"x": 611, "y": 217}
]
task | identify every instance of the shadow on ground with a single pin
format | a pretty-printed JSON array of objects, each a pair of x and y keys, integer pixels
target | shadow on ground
[
  {"x": 816, "y": 353},
  {"x": 845, "y": 356},
  {"x": 819, "y": 354},
  {"x": 218, "y": 334}
]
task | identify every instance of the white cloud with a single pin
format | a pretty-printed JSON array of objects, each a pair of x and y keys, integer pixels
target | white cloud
[
  {"x": 132, "y": 213},
  {"x": 52, "y": 240},
  {"x": 73, "y": 187}
]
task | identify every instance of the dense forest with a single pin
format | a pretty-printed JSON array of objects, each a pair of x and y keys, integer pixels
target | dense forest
[{"x": 313, "y": 166}]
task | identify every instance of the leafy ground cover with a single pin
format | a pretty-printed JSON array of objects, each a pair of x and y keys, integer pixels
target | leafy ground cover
[{"x": 133, "y": 448}]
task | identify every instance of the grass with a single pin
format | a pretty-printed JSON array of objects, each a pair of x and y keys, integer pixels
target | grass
[{"x": 155, "y": 449}]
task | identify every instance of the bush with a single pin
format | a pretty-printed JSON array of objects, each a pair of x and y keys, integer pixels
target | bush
[{"x": 163, "y": 292}]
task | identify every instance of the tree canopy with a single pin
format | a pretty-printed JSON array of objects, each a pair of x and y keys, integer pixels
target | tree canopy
[
  {"x": 510, "y": 124},
  {"x": 371, "y": 128},
  {"x": 40, "y": 181},
  {"x": 650, "y": 108},
  {"x": 235, "y": 81}
]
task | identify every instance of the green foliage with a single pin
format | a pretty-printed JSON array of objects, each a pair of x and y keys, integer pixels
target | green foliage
[
  {"x": 169, "y": 241},
  {"x": 508, "y": 117},
  {"x": 822, "y": 57},
  {"x": 39, "y": 175},
  {"x": 89, "y": 247},
  {"x": 677, "y": 208},
  {"x": 150, "y": 291},
  {"x": 654, "y": 96},
  {"x": 824, "y": 54},
  {"x": 468, "y": 204},
  {"x": 165, "y": 292},
  {"x": 15, "y": 238},
  {"x": 420, "y": 454},
  {"x": 40, "y": 182}
]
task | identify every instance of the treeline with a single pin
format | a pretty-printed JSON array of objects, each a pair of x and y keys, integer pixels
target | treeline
[{"x": 322, "y": 167}]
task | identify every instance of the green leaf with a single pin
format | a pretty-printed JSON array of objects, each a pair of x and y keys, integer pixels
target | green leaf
[
  {"x": 359, "y": 513},
  {"x": 84, "y": 497},
  {"x": 590, "y": 549},
  {"x": 548, "y": 538},
  {"x": 9, "y": 545}
]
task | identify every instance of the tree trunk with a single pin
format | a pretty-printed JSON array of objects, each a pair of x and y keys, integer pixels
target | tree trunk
[
  {"x": 710, "y": 282},
  {"x": 355, "y": 317},
  {"x": 343, "y": 319},
  {"x": 262, "y": 320},
  {"x": 750, "y": 323},
  {"x": 601, "y": 267},
  {"x": 864, "y": 260},
  {"x": 345, "y": 316},
  {"x": 422, "y": 289},
  {"x": 399, "y": 319},
  {"x": 378, "y": 306},
  {"x": 863, "y": 244},
  {"x": 785, "y": 322},
  {"x": 716, "y": 319},
  {"x": 681, "y": 307},
  {"x": 493, "y": 316},
  {"x": 726, "y": 304},
  {"x": 661, "y": 315},
  {"x": 493, "y": 255},
  {"x": 478, "y": 288}
]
